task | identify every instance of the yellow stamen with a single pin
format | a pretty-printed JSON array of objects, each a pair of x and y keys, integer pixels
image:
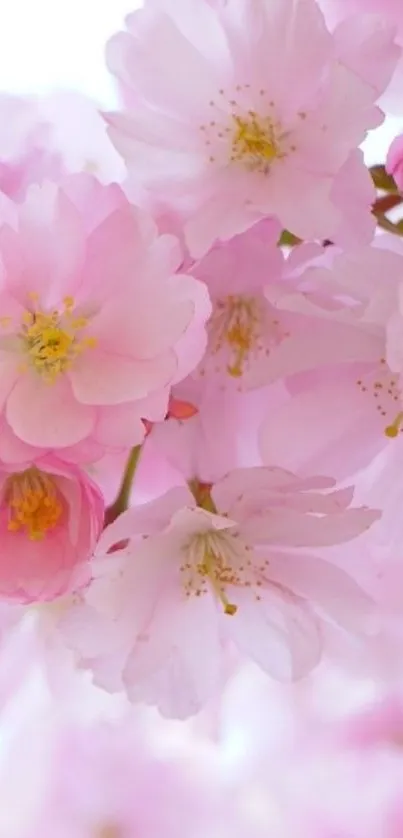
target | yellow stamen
[
  {"x": 33, "y": 502},
  {"x": 392, "y": 430},
  {"x": 255, "y": 142},
  {"x": 212, "y": 567},
  {"x": 236, "y": 323},
  {"x": 51, "y": 340}
]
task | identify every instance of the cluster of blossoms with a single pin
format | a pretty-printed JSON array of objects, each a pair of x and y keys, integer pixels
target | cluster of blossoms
[{"x": 201, "y": 368}]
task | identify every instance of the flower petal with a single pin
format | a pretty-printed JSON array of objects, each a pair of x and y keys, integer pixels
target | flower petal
[{"x": 47, "y": 414}]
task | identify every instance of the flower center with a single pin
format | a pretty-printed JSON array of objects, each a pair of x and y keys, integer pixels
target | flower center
[
  {"x": 215, "y": 560},
  {"x": 252, "y": 136},
  {"x": 236, "y": 325},
  {"x": 53, "y": 340},
  {"x": 254, "y": 142},
  {"x": 33, "y": 502}
]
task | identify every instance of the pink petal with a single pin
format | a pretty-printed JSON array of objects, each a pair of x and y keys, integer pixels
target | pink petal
[
  {"x": 326, "y": 585},
  {"x": 341, "y": 434},
  {"x": 285, "y": 526},
  {"x": 278, "y": 632},
  {"x": 323, "y": 344},
  {"x": 176, "y": 666},
  {"x": 146, "y": 322},
  {"x": 120, "y": 426},
  {"x": 105, "y": 379},
  {"x": 145, "y": 519},
  {"x": 47, "y": 415}
]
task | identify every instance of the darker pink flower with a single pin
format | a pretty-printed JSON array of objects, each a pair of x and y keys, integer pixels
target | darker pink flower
[
  {"x": 96, "y": 324},
  {"x": 51, "y": 515}
]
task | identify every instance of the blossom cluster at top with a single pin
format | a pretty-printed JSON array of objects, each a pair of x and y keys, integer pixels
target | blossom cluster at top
[{"x": 201, "y": 354}]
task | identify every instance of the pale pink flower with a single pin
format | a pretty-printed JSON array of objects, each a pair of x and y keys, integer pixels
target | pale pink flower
[
  {"x": 243, "y": 111},
  {"x": 51, "y": 515},
  {"x": 25, "y": 156},
  {"x": 108, "y": 781},
  {"x": 394, "y": 160},
  {"x": 44, "y": 138},
  {"x": 158, "y": 615},
  {"x": 342, "y": 362},
  {"x": 96, "y": 325}
]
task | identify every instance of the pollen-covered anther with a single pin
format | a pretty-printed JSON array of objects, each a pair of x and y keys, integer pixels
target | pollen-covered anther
[
  {"x": 52, "y": 340},
  {"x": 236, "y": 326},
  {"x": 396, "y": 427},
  {"x": 215, "y": 560},
  {"x": 33, "y": 502},
  {"x": 384, "y": 388},
  {"x": 237, "y": 133},
  {"x": 255, "y": 142}
]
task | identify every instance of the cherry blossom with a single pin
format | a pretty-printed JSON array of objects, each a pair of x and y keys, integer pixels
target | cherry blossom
[
  {"x": 234, "y": 570},
  {"x": 242, "y": 111},
  {"x": 95, "y": 322},
  {"x": 341, "y": 360},
  {"x": 51, "y": 515}
]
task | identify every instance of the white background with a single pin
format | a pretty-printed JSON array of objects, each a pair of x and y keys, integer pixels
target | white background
[{"x": 47, "y": 44}]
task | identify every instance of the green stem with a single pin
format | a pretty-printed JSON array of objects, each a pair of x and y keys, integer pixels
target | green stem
[
  {"x": 382, "y": 180},
  {"x": 202, "y": 495},
  {"x": 288, "y": 239},
  {"x": 121, "y": 503}
]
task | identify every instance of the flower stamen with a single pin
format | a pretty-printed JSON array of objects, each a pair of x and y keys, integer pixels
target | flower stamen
[
  {"x": 392, "y": 430},
  {"x": 254, "y": 142},
  {"x": 33, "y": 502},
  {"x": 236, "y": 323},
  {"x": 51, "y": 340},
  {"x": 213, "y": 569}
]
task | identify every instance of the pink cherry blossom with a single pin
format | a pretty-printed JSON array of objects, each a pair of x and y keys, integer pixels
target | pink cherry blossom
[
  {"x": 394, "y": 160},
  {"x": 96, "y": 325},
  {"x": 51, "y": 516},
  {"x": 159, "y": 614},
  {"x": 342, "y": 362},
  {"x": 243, "y": 111}
]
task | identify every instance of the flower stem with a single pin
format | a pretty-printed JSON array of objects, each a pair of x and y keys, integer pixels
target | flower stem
[
  {"x": 202, "y": 495},
  {"x": 385, "y": 224},
  {"x": 121, "y": 502}
]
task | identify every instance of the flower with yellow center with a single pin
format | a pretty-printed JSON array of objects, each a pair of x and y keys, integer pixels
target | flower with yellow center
[
  {"x": 241, "y": 333},
  {"x": 34, "y": 503},
  {"x": 51, "y": 341},
  {"x": 252, "y": 137}
]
